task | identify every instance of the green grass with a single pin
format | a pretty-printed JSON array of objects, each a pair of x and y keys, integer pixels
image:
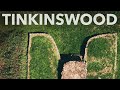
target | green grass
[
  {"x": 68, "y": 40},
  {"x": 118, "y": 59},
  {"x": 95, "y": 66},
  {"x": 42, "y": 57},
  {"x": 106, "y": 76},
  {"x": 101, "y": 58},
  {"x": 99, "y": 48}
]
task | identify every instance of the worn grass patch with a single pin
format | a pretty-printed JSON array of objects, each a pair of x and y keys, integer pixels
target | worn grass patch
[{"x": 101, "y": 59}]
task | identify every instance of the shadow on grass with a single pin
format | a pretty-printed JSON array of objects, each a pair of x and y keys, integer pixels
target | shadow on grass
[
  {"x": 64, "y": 59},
  {"x": 83, "y": 46}
]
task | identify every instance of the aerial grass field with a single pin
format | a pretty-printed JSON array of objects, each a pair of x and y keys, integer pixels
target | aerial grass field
[
  {"x": 43, "y": 56},
  {"x": 68, "y": 38}
]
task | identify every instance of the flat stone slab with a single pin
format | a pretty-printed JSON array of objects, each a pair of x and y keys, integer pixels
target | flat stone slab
[{"x": 74, "y": 70}]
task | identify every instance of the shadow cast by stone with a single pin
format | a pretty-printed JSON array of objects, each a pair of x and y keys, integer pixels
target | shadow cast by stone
[
  {"x": 83, "y": 46},
  {"x": 64, "y": 59}
]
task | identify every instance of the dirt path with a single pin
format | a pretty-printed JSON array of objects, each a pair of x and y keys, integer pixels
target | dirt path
[
  {"x": 115, "y": 64},
  {"x": 31, "y": 35}
]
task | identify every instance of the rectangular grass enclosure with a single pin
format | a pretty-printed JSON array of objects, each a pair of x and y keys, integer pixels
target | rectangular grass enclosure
[
  {"x": 102, "y": 57},
  {"x": 43, "y": 57}
]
